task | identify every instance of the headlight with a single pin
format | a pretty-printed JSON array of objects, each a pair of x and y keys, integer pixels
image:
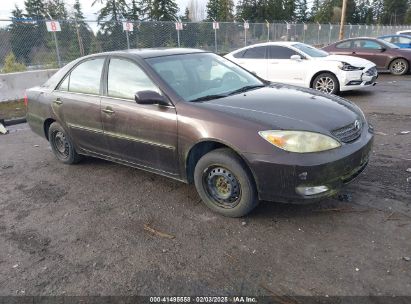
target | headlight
[
  {"x": 299, "y": 141},
  {"x": 348, "y": 67}
]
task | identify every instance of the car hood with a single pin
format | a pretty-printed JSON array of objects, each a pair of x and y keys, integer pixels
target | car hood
[
  {"x": 355, "y": 61},
  {"x": 287, "y": 107}
]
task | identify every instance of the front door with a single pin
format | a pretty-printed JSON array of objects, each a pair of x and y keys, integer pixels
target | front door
[
  {"x": 370, "y": 50},
  {"x": 141, "y": 134},
  {"x": 281, "y": 68}
]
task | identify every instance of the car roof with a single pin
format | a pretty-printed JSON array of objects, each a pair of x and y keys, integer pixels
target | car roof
[
  {"x": 395, "y": 35},
  {"x": 285, "y": 43},
  {"x": 151, "y": 52}
]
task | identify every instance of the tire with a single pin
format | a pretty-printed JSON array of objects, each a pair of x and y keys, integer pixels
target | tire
[
  {"x": 399, "y": 66},
  {"x": 326, "y": 83},
  {"x": 62, "y": 145},
  {"x": 225, "y": 184}
]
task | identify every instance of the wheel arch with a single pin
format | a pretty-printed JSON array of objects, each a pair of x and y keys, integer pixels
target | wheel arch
[
  {"x": 203, "y": 147},
  {"x": 399, "y": 57},
  {"x": 321, "y": 72},
  {"x": 46, "y": 126}
]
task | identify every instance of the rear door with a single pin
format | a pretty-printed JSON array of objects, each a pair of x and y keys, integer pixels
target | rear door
[
  {"x": 370, "y": 50},
  {"x": 281, "y": 68},
  {"x": 77, "y": 103},
  {"x": 254, "y": 59},
  {"x": 141, "y": 134}
]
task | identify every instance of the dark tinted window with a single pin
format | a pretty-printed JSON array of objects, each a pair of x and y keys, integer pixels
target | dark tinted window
[
  {"x": 344, "y": 45},
  {"x": 85, "y": 78},
  {"x": 239, "y": 54},
  {"x": 280, "y": 52},
  {"x": 126, "y": 78},
  {"x": 255, "y": 52}
]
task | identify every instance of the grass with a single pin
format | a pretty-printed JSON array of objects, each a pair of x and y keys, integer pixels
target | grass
[{"x": 12, "y": 109}]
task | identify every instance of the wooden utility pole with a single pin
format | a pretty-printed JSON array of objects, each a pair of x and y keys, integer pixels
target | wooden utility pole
[{"x": 343, "y": 12}]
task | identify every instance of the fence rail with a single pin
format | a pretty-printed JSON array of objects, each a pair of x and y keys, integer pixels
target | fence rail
[{"x": 37, "y": 48}]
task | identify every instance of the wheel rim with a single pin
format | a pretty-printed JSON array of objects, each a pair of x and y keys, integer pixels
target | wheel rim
[
  {"x": 61, "y": 145},
  {"x": 399, "y": 66},
  {"x": 325, "y": 84},
  {"x": 222, "y": 186}
]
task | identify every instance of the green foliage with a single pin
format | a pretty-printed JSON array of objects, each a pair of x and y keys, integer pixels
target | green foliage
[
  {"x": 162, "y": 10},
  {"x": 221, "y": 10},
  {"x": 11, "y": 65}
]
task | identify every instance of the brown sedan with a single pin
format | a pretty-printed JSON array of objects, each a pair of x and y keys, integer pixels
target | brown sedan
[
  {"x": 385, "y": 55},
  {"x": 199, "y": 118}
]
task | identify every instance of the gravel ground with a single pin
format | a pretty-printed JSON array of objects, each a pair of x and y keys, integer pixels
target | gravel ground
[{"x": 84, "y": 229}]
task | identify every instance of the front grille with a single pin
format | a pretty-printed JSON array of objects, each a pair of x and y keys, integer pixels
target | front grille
[
  {"x": 371, "y": 72},
  {"x": 349, "y": 132}
]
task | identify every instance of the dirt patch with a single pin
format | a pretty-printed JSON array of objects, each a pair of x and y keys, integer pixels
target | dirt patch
[{"x": 12, "y": 109}]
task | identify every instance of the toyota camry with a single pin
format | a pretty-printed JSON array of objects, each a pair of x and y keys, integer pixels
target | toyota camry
[{"x": 199, "y": 118}]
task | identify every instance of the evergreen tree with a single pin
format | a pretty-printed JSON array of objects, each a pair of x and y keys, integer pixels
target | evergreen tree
[
  {"x": 394, "y": 11},
  {"x": 289, "y": 10},
  {"x": 35, "y": 9},
  {"x": 163, "y": 10},
  {"x": 407, "y": 19},
  {"x": 135, "y": 11},
  {"x": 221, "y": 10},
  {"x": 20, "y": 36},
  {"x": 186, "y": 16},
  {"x": 57, "y": 9},
  {"x": 301, "y": 10}
]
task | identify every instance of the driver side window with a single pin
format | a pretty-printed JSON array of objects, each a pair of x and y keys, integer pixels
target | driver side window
[{"x": 126, "y": 78}]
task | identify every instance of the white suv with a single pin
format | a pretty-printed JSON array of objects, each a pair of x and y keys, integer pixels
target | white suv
[{"x": 303, "y": 65}]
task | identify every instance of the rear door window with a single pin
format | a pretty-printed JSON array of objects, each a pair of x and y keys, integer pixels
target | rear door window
[
  {"x": 258, "y": 52},
  {"x": 344, "y": 45},
  {"x": 86, "y": 77},
  {"x": 366, "y": 44}
]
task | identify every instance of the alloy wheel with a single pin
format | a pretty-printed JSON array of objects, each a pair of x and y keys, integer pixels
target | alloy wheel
[
  {"x": 398, "y": 67},
  {"x": 325, "y": 84}
]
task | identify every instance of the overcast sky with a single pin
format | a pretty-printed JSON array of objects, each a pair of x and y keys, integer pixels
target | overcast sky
[{"x": 6, "y": 6}]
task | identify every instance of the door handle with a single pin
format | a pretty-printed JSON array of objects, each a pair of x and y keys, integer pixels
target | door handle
[
  {"x": 108, "y": 111},
  {"x": 58, "y": 101},
  {"x": 353, "y": 53}
]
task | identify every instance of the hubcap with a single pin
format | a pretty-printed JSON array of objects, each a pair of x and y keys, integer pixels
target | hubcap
[
  {"x": 399, "y": 66},
  {"x": 325, "y": 84},
  {"x": 61, "y": 145},
  {"x": 222, "y": 186}
]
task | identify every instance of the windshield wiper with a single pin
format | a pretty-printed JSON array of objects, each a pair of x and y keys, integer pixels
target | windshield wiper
[
  {"x": 209, "y": 97},
  {"x": 246, "y": 88}
]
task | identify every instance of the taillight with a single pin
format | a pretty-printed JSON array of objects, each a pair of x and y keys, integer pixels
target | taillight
[{"x": 26, "y": 100}]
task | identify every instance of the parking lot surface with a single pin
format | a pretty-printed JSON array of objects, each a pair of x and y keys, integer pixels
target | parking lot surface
[{"x": 98, "y": 228}]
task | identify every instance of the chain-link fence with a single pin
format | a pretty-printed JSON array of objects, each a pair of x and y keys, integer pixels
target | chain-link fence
[{"x": 37, "y": 48}]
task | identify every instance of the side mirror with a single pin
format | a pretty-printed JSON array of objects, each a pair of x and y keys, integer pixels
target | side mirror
[
  {"x": 382, "y": 49},
  {"x": 296, "y": 57},
  {"x": 150, "y": 97}
]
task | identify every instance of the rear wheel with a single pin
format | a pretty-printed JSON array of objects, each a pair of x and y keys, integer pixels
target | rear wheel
[
  {"x": 225, "y": 184},
  {"x": 399, "y": 66},
  {"x": 62, "y": 145},
  {"x": 326, "y": 83}
]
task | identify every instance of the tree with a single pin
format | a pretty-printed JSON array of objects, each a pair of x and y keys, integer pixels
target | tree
[
  {"x": 221, "y": 10},
  {"x": 289, "y": 10},
  {"x": 35, "y": 9},
  {"x": 11, "y": 65},
  {"x": 135, "y": 11},
  {"x": 57, "y": 9},
  {"x": 301, "y": 10},
  {"x": 163, "y": 10},
  {"x": 394, "y": 11},
  {"x": 109, "y": 19}
]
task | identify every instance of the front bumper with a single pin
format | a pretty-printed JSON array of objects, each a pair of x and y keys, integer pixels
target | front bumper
[
  {"x": 279, "y": 176},
  {"x": 354, "y": 80}
]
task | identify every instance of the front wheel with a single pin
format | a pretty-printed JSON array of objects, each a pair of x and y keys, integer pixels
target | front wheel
[
  {"x": 225, "y": 184},
  {"x": 399, "y": 66},
  {"x": 326, "y": 83},
  {"x": 62, "y": 145}
]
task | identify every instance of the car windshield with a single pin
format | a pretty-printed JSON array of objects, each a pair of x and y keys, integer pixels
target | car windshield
[
  {"x": 388, "y": 44},
  {"x": 310, "y": 50},
  {"x": 203, "y": 76}
]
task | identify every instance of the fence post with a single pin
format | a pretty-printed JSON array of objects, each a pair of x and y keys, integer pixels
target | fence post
[
  {"x": 57, "y": 49},
  {"x": 215, "y": 26},
  {"x": 329, "y": 34},
  {"x": 268, "y": 30},
  {"x": 128, "y": 40},
  {"x": 304, "y": 28},
  {"x": 246, "y": 26},
  {"x": 318, "y": 34}
]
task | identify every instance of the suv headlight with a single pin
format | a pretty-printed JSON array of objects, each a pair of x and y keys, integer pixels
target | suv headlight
[
  {"x": 348, "y": 67},
  {"x": 299, "y": 141}
]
